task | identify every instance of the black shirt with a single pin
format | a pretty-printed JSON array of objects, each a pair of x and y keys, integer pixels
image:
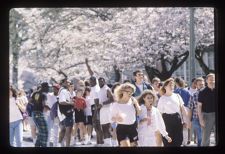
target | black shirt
[
  {"x": 207, "y": 98},
  {"x": 38, "y": 100}
]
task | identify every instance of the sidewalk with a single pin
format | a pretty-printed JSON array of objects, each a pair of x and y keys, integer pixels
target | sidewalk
[{"x": 27, "y": 141}]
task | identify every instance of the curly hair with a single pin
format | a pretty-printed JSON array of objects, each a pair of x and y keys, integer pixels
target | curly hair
[
  {"x": 140, "y": 99},
  {"x": 119, "y": 90}
]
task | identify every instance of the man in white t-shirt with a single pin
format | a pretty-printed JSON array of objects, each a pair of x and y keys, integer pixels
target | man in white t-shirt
[
  {"x": 95, "y": 107},
  {"x": 105, "y": 99}
]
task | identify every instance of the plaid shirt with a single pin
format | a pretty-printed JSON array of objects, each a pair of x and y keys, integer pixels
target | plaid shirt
[{"x": 193, "y": 104}]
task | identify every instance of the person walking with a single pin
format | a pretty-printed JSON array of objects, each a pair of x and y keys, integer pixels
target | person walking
[
  {"x": 206, "y": 109},
  {"x": 88, "y": 114},
  {"x": 172, "y": 109},
  {"x": 39, "y": 100},
  {"x": 15, "y": 119},
  {"x": 105, "y": 98},
  {"x": 151, "y": 120},
  {"x": 139, "y": 83},
  {"x": 185, "y": 95},
  {"x": 79, "y": 107},
  {"x": 124, "y": 113},
  {"x": 65, "y": 112},
  {"x": 193, "y": 112}
]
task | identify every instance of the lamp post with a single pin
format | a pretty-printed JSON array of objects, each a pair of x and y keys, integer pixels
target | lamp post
[{"x": 192, "y": 46}]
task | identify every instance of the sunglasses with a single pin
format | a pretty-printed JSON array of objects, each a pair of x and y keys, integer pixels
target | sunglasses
[
  {"x": 140, "y": 74},
  {"x": 129, "y": 92}
]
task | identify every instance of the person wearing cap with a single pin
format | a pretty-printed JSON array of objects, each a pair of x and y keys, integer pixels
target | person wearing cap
[
  {"x": 53, "y": 120},
  {"x": 65, "y": 112},
  {"x": 39, "y": 100}
]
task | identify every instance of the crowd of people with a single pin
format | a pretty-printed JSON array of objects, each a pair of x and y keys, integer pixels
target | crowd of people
[{"x": 127, "y": 114}]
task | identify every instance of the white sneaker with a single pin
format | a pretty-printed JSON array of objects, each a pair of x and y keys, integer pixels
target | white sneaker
[
  {"x": 62, "y": 144},
  {"x": 74, "y": 142},
  {"x": 82, "y": 143}
]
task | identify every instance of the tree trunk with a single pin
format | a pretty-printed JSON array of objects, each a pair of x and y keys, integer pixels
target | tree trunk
[
  {"x": 165, "y": 73},
  {"x": 199, "y": 52},
  {"x": 117, "y": 73},
  {"x": 14, "y": 45}
]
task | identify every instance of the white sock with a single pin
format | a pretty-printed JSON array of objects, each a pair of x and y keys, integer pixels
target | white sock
[
  {"x": 108, "y": 142},
  {"x": 34, "y": 140},
  {"x": 114, "y": 142},
  {"x": 89, "y": 138},
  {"x": 86, "y": 137}
]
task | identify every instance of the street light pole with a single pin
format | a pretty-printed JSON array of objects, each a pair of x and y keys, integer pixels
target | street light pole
[{"x": 192, "y": 46}]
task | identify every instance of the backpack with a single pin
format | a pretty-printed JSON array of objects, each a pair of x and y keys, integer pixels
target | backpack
[{"x": 67, "y": 110}]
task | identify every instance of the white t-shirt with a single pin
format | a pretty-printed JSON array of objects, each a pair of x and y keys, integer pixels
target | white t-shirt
[
  {"x": 127, "y": 111},
  {"x": 51, "y": 99},
  {"x": 87, "y": 110},
  {"x": 170, "y": 104},
  {"x": 104, "y": 111},
  {"x": 14, "y": 111},
  {"x": 94, "y": 93},
  {"x": 157, "y": 122},
  {"x": 64, "y": 95}
]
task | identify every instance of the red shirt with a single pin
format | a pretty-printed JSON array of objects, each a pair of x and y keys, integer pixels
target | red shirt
[{"x": 79, "y": 103}]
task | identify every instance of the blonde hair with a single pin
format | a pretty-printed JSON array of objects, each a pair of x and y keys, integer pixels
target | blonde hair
[
  {"x": 199, "y": 79},
  {"x": 144, "y": 94},
  {"x": 162, "y": 90},
  {"x": 119, "y": 90}
]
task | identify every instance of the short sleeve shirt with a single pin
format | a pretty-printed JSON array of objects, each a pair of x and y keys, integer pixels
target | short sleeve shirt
[{"x": 207, "y": 98}]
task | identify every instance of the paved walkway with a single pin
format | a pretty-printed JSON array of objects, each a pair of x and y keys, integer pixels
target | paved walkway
[{"x": 27, "y": 141}]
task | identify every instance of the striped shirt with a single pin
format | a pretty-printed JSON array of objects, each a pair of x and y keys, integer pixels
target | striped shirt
[{"x": 193, "y": 104}]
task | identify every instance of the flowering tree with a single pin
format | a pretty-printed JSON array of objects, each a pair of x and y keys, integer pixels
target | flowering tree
[{"x": 58, "y": 40}]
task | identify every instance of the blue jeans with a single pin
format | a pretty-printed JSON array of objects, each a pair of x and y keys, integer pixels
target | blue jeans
[
  {"x": 16, "y": 132},
  {"x": 197, "y": 128}
]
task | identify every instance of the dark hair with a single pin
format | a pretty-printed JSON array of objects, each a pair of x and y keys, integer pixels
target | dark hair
[
  {"x": 180, "y": 82},
  {"x": 162, "y": 90},
  {"x": 140, "y": 99},
  {"x": 101, "y": 78},
  {"x": 92, "y": 78},
  {"x": 14, "y": 91},
  {"x": 137, "y": 71},
  {"x": 193, "y": 80},
  {"x": 127, "y": 81},
  {"x": 86, "y": 83}
]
